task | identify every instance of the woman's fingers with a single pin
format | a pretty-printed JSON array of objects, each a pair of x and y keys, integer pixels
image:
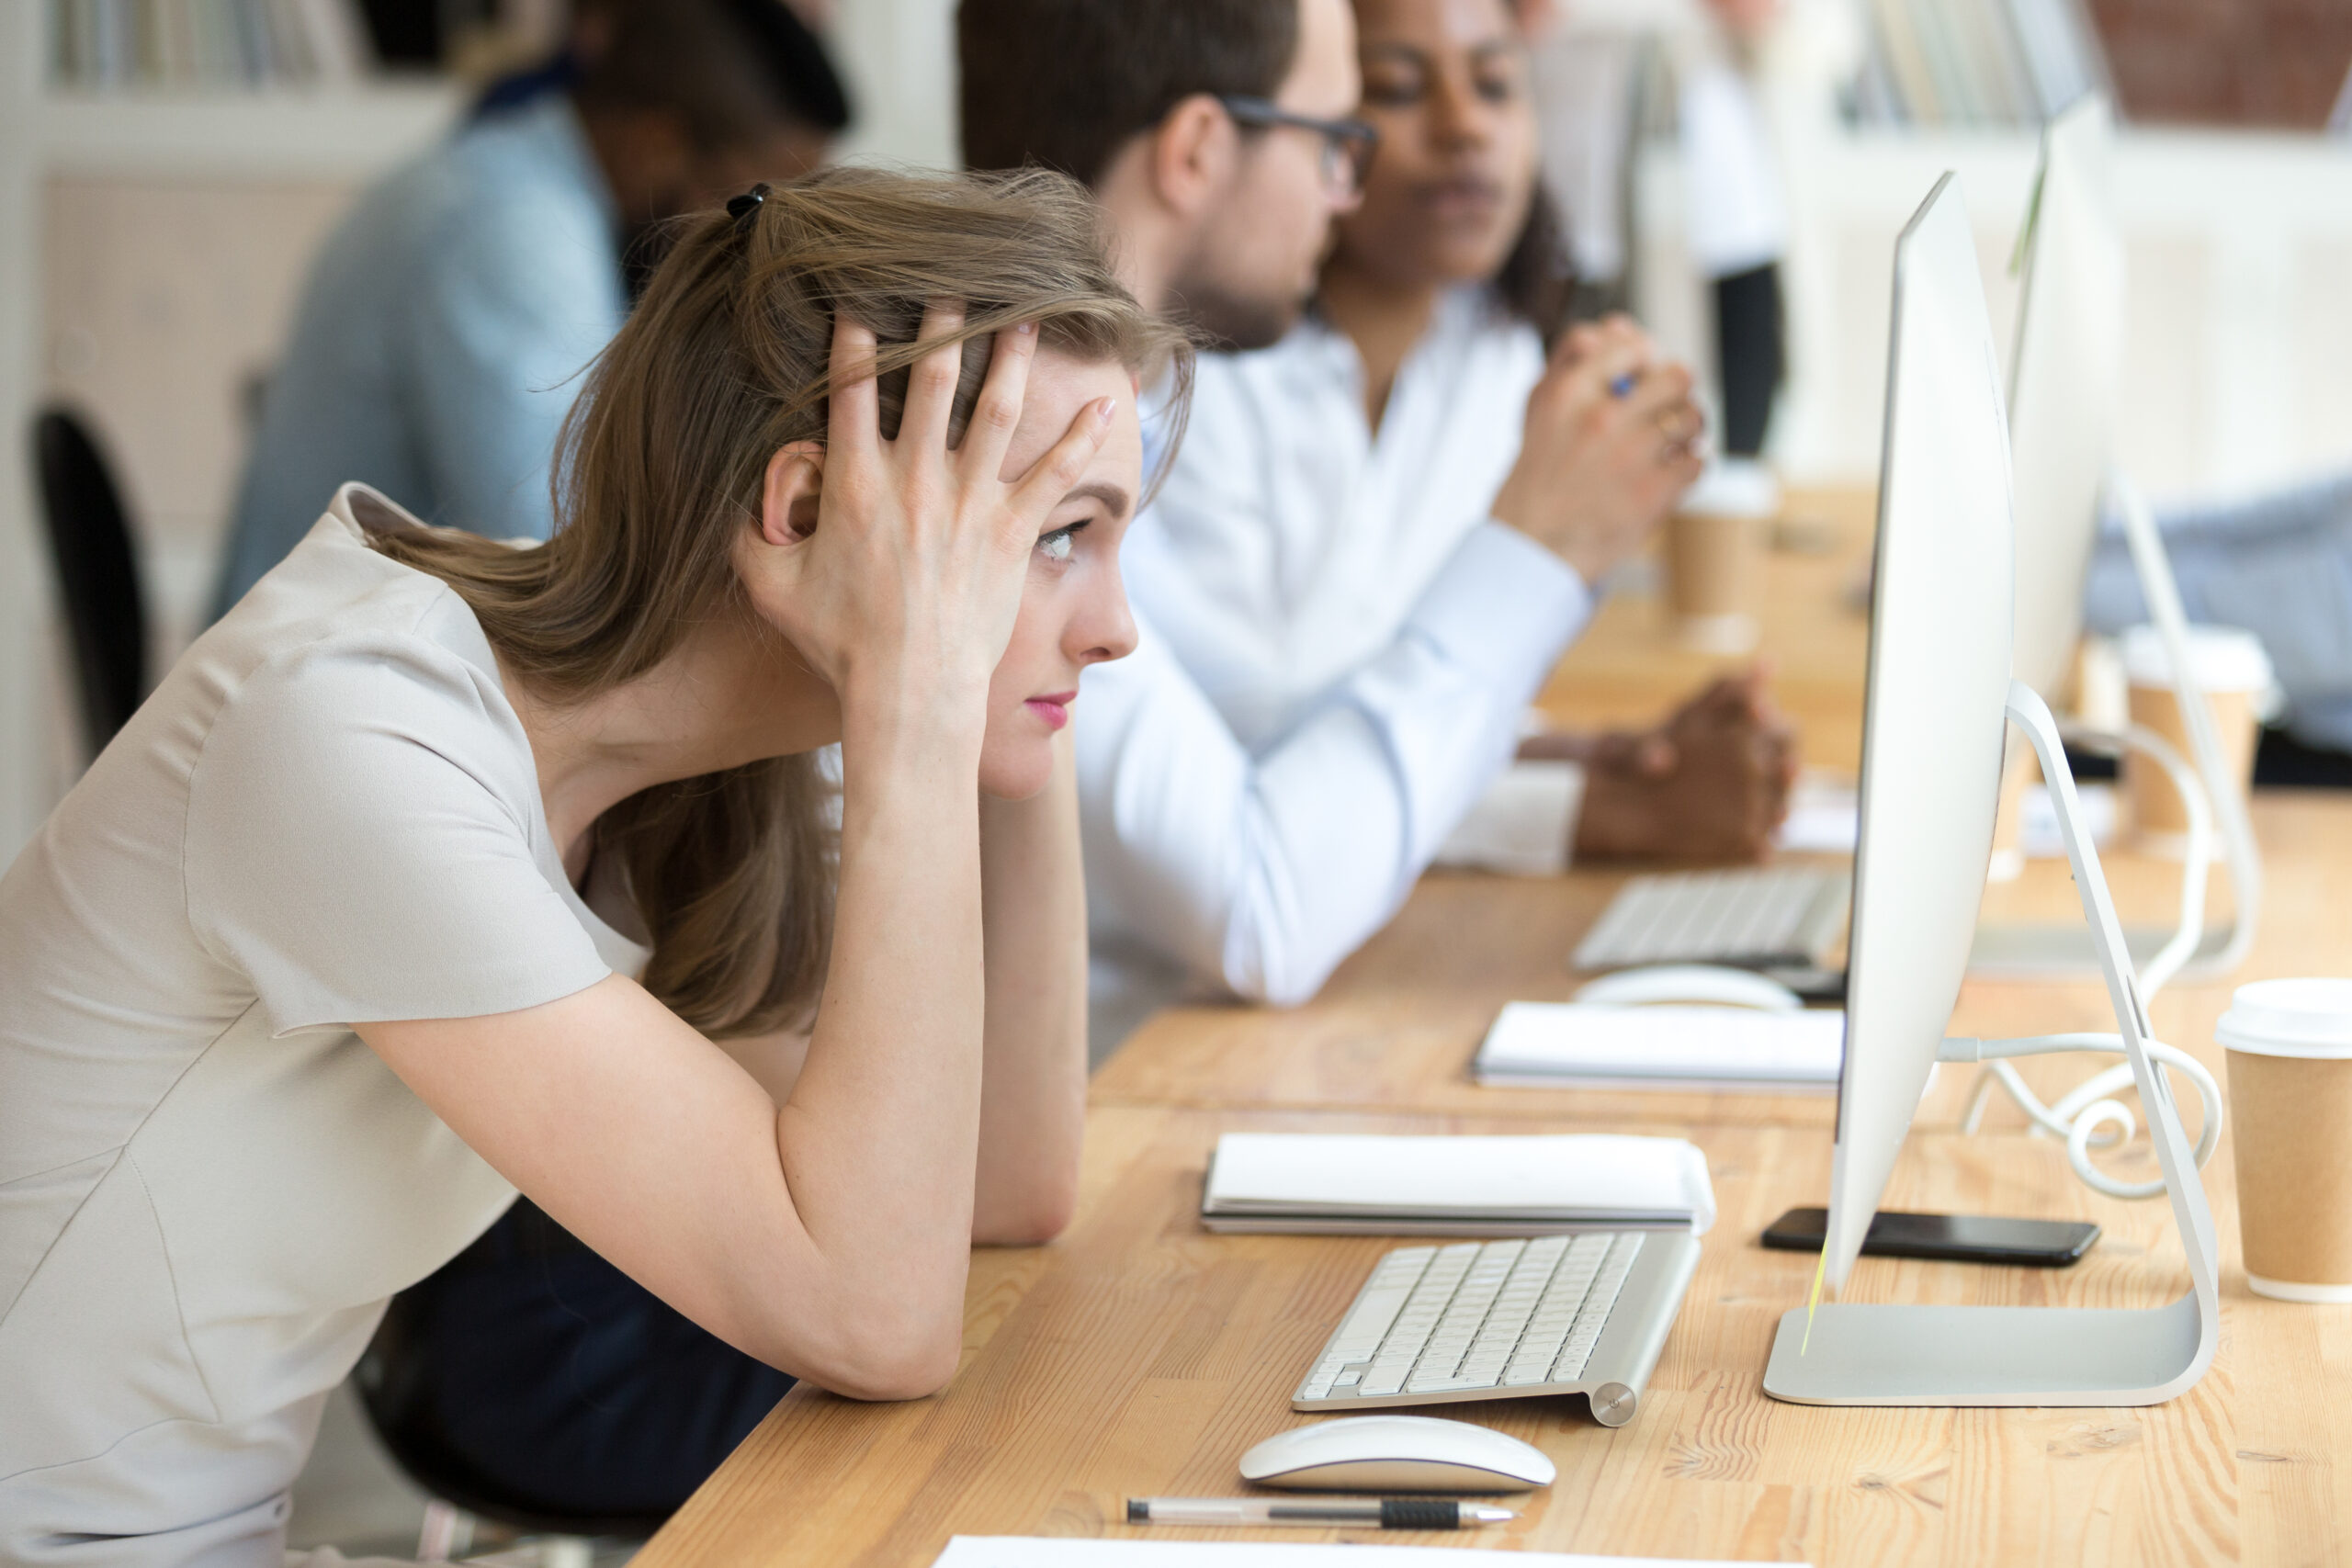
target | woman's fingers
[
  {"x": 1052, "y": 476},
  {"x": 931, "y": 381},
  {"x": 989, "y": 433},
  {"x": 853, "y": 418},
  {"x": 1658, "y": 390}
]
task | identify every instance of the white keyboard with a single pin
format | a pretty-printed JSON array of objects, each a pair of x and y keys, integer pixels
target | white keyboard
[
  {"x": 1486, "y": 1320},
  {"x": 1775, "y": 918}
]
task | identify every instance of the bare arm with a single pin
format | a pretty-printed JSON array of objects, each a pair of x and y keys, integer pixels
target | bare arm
[
  {"x": 1033, "y": 1088},
  {"x": 1033, "y": 1077},
  {"x": 830, "y": 1236}
]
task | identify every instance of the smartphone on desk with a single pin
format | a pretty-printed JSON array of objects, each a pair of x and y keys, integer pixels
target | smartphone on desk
[{"x": 1948, "y": 1238}]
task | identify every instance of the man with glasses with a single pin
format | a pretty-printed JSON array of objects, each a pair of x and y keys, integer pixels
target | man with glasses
[{"x": 1216, "y": 135}]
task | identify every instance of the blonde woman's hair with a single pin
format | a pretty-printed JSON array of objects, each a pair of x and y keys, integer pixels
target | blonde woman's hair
[{"x": 661, "y": 465}]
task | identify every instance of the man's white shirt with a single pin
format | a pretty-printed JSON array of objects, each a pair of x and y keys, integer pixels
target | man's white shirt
[{"x": 1336, "y": 647}]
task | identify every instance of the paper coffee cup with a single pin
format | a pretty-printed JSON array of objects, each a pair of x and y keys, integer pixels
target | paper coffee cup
[
  {"x": 2233, "y": 673},
  {"x": 2289, "y": 1044},
  {"x": 1714, "y": 547}
]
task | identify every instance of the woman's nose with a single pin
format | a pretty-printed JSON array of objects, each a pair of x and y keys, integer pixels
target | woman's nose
[
  {"x": 1104, "y": 626},
  {"x": 1459, "y": 116}
]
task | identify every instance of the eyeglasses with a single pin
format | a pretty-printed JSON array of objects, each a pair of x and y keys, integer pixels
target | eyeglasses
[{"x": 1348, "y": 144}]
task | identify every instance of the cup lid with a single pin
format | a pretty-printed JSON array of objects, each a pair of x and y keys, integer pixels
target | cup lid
[
  {"x": 2289, "y": 1018},
  {"x": 1733, "y": 487},
  {"x": 2223, "y": 659}
]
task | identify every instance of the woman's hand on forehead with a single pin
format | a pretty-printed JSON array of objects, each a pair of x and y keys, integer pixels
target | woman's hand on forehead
[{"x": 907, "y": 586}]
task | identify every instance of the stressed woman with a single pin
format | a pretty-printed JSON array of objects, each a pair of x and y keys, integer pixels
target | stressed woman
[{"x": 440, "y": 870}]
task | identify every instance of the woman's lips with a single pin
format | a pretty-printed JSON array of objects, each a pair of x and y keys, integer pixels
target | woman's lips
[
  {"x": 1456, "y": 201},
  {"x": 1053, "y": 708}
]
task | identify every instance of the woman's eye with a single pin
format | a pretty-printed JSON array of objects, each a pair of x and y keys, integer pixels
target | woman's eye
[{"x": 1058, "y": 544}]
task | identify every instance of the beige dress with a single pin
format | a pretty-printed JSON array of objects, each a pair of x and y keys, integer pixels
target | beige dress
[{"x": 208, "y": 1185}]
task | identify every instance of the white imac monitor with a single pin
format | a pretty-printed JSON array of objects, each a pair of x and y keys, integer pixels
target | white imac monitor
[
  {"x": 2064, "y": 377},
  {"x": 1934, "y": 710},
  {"x": 2063, "y": 380}
]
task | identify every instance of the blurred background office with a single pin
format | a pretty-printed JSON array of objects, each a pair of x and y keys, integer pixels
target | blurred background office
[{"x": 169, "y": 168}]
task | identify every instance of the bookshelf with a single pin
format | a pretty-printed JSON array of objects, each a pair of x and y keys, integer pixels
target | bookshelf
[
  {"x": 333, "y": 133},
  {"x": 349, "y": 132}
]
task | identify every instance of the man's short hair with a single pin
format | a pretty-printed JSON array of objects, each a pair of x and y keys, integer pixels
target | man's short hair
[
  {"x": 733, "y": 69},
  {"x": 1065, "y": 83}
]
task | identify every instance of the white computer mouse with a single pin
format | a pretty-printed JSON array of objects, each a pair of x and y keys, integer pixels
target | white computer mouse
[
  {"x": 1691, "y": 983},
  {"x": 1396, "y": 1454}
]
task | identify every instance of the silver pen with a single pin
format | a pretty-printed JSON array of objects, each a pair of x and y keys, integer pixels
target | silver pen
[{"x": 1318, "y": 1513}]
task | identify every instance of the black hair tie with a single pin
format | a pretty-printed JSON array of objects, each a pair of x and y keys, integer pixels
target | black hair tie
[{"x": 738, "y": 208}]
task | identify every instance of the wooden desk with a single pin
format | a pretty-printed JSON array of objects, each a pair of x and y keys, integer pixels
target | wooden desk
[
  {"x": 1396, "y": 1026},
  {"x": 1141, "y": 1356},
  {"x": 1626, "y": 669}
]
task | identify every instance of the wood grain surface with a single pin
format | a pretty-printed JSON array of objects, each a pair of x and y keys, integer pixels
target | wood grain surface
[
  {"x": 1140, "y": 1356},
  {"x": 1627, "y": 670}
]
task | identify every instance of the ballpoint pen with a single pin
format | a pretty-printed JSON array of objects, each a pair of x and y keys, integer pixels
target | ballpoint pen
[{"x": 1324, "y": 1513}]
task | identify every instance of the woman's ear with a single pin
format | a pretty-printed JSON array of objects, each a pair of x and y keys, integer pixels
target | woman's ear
[{"x": 788, "y": 497}]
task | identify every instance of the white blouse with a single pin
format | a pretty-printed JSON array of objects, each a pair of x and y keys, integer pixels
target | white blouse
[
  {"x": 1337, "y": 646},
  {"x": 1302, "y": 540}
]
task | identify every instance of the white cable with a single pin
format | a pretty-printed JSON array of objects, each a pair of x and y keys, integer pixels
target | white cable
[
  {"x": 2189, "y": 929},
  {"x": 2091, "y": 1099},
  {"x": 2162, "y": 593},
  {"x": 2080, "y": 1116}
]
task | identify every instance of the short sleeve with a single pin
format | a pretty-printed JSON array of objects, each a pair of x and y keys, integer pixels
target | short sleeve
[{"x": 360, "y": 843}]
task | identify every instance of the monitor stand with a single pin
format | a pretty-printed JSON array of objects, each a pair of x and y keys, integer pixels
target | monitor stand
[
  {"x": 2071, "y": 952},
  {"x": 1905, "y": 1354}
]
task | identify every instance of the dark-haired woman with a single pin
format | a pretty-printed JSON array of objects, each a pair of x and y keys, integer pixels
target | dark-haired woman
[
  {"x": 1328, "y": 482},
  {"x": 440, "y": 870}
]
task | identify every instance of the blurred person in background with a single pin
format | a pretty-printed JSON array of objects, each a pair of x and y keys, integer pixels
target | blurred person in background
[
  {"x": 1595, "y": 69},
  {"x": 1229, "y": 844},
  {"x": 2279, "y": 565},
  {"x": 1326, "y": 481},
  {"x": 443, "y": 331}
]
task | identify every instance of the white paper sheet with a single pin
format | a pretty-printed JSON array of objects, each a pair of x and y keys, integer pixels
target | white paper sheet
[{"x": 1063, "y": 1552}]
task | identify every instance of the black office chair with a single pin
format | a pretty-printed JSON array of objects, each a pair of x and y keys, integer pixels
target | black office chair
[
  {"x": 399, "y": 1407},
  {"x": 397, "y": 1380},
  {"x": 97, "y": 573}
]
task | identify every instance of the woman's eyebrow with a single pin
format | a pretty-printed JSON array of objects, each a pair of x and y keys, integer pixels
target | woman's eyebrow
[{"x": 1114, "y": 499}]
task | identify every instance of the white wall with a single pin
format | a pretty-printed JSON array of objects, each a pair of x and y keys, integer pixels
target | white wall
[
  {"x": 2238, "y": 373},
  {"x": 899, "y": 56}
]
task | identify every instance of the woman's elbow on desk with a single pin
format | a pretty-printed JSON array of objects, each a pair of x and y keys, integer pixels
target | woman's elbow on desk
[
  {"x": 881, "y": 1352},
  {"x": 1031, "y": 1218}
]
